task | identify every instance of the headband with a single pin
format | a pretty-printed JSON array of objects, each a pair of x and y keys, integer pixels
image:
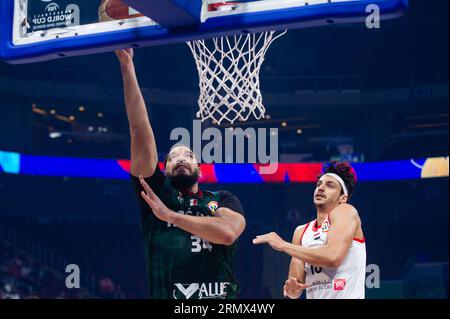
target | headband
[{"x": 340, "y": 180}]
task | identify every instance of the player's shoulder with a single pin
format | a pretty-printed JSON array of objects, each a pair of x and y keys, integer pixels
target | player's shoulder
[
  {"x": 344, "y": 210},
  {"x": 224, "y": 193},
  {"x": 300, "y": 229},
  {"x": 221, "y": 195},
  {"x": 229, "y": 200},
  {"x": 298, "y": 234},
  {"x": 347, "y": 208}
]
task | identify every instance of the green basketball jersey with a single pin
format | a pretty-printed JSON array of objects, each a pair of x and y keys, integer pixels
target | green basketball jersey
[{"x": 179, "y": 264}]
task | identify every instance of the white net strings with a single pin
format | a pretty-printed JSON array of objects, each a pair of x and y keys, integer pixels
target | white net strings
[{"x": 229, "y": 69}]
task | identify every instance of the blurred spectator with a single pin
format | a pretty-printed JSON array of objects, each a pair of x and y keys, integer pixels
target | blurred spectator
[
  {"x": 26, "y": 269},
  {"x": 23, "y": 278},
  {"x": 15, "y": 268},
  {"x": 119, "y": 294},
  {"x": 106, "y": 288},
  {"x": 10, "y": 292},
  {"x": 20, "y": 277}
]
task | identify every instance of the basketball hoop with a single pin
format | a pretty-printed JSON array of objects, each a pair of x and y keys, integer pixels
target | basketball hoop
[{"x": 229, "y": 69}]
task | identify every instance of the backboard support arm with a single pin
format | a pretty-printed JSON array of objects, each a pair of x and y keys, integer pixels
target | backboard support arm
[{"x": 170, "y": 13}]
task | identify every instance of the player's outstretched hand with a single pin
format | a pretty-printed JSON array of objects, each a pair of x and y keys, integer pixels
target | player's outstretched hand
[
  {"x": 293, "y": 288},
  {"x": 159, "y": 209},
  {"x": 125, "y": 57},
  {"x": 275, "y": 241}
]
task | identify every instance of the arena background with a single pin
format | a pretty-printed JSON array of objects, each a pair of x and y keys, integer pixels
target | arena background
[{"x": 362, "y": 95}]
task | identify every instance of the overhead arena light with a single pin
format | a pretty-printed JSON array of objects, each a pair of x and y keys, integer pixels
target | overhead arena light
[{"x": 54, "y": 135}]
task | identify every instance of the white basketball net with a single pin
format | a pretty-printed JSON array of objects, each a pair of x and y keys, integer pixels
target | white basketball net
[{"x": 229, "y": 69}]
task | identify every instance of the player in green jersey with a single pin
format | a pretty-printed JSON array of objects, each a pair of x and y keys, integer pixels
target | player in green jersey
[{"x": 190, "y": 235}]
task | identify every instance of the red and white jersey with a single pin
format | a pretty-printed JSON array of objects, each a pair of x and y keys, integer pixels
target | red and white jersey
[{"x": 345, "y": 282}]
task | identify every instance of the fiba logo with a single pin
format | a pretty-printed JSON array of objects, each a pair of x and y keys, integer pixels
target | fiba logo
[
  {"x": 52, "y": 7},
  {"x": 213, "y": 206},
  {"x": 325, "y": 226},
  {"x": 52, "y": 15}
]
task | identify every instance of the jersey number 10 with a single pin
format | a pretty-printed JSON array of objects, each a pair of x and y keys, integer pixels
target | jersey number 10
[{"x": 315, "y": 270}]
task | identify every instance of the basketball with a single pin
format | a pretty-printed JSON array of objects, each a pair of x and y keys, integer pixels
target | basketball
[{"x": 111, "y": 10}]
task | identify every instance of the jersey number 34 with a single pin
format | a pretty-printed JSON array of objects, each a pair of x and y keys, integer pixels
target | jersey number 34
[{"x": 198, "y": 244}]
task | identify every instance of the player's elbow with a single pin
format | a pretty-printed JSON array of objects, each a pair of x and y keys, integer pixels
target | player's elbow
[
  {"x": 225, "y": 237},
  {"x": 335, "y": 260},
  {"x": 228, "y": 239},
  {"x": 231, "y": 228},
  {"x": 334, "y": 263},
  {"x": 234, "y": 232},
  {"x": 231, "y": 236}
]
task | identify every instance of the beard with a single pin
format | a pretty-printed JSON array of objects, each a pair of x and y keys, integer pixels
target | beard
[{"x": 184, "y": 181}]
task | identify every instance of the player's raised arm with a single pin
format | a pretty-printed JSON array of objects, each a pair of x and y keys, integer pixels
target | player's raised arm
[
  {"x": 332, "y": 254},
  {"x": 295, "y": 284},
  {"x": 144, "y": 157},
  {"x": 224, "y": 228}
]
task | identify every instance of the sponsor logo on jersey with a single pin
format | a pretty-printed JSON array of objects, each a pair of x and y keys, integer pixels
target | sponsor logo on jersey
[
  {"x": 326, "y": 282},
  {"x": 339, "y": 284},
  {"x": 316, "y": 236},
  {"x": 213, "y": 206},
  {"x": 215, "y": 290}
]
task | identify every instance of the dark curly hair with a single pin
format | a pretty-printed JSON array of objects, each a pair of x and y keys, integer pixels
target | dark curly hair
[{"x": 345, "y": 171}]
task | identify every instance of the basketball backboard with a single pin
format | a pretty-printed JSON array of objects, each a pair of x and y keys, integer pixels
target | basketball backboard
[{"x": 38, "y": 30}]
